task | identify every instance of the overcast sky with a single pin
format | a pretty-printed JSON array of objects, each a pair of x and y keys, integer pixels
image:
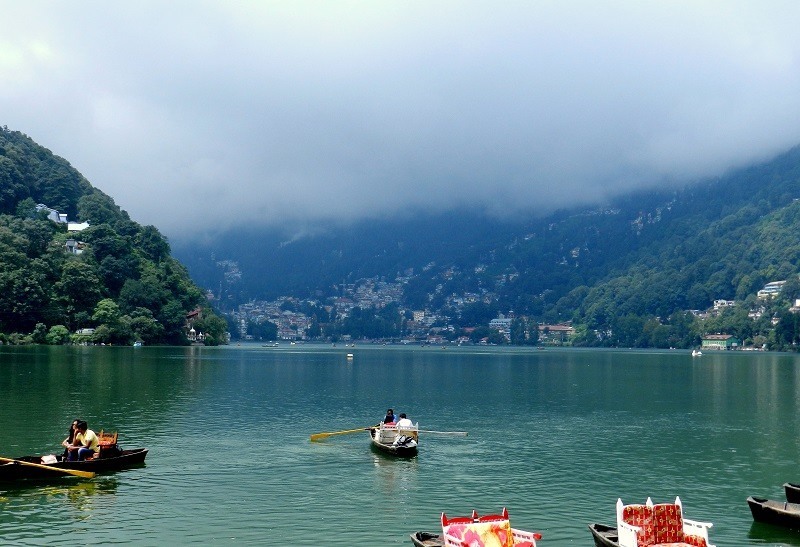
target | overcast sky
[{"x": 201, "y": 114}]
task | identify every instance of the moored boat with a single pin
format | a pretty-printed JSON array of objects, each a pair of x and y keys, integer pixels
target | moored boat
[
  {"x": 121, "y": 459},
  {"x": 779, "y": 513},
  {"x": 792, "y": 492},
  {"x": 604, "y": 535},
  {"x": 397, "y": 442},
  {"x": 426, "y": 539}
]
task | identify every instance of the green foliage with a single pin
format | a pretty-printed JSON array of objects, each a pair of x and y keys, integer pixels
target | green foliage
[
  {"x": 57, "y": 335},
  {"x": 125, "y": 284}
]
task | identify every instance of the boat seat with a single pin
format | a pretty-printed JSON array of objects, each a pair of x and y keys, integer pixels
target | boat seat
[
  {"x": 108, "y": 444},
  {"x": 659, "y": 525},
  {"x": 107, "y": 440}
]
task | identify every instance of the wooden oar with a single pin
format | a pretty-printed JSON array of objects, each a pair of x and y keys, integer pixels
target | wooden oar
[
  {"x": 319, "y": 436},
  {"x": 76, "y": 472},
  {"x": 462, "y": 433}
]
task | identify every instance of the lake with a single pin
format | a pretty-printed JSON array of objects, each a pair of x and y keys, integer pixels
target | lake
[{"x": 556, "y": 436}]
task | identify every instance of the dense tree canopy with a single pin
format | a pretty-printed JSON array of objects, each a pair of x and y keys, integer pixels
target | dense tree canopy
[{"x": 124, "y": 285}]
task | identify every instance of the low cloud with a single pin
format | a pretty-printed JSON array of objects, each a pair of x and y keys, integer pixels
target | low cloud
[{"x": 197, "y": 116}]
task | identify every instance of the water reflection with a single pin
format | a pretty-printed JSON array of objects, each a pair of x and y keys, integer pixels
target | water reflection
[{"x": 772, "y": 535}]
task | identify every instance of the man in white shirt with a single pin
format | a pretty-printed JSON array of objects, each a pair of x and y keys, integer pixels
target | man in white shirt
[{"x": 403, "y": 421}]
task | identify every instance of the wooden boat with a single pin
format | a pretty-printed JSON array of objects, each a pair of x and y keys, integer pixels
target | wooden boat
[
  {"x": 121, "y": 459},
  {"x": 779, "y": 513},
  {"x": 426, "y": 539},
  {"x": 792, "y": 492},
  {"x": 604, "y": 536},
  {"x": 397, "y": 442}
]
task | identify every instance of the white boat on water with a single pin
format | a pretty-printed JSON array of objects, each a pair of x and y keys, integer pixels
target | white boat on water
[
  {"x": 399, "y": 442},
  {"x": 696, "y": 353}
]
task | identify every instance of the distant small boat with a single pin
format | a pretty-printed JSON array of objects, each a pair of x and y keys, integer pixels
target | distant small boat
[
  {"x": 270, "y": 345},
  {"x": 137, "y": 344},
  {"x": 350, "y": 356},
  {"x": 696, "y": 353},
  {"x": 779, "y": 513}
]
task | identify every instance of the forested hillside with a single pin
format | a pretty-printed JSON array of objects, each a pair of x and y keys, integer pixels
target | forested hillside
[
  {"x": 123, "y": 284},
  {"x": 625, "y": 273}
]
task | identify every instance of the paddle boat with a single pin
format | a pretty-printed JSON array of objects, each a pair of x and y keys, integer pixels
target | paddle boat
[
  {"x": 651, "y": 525},
  {"x": 110, "y": 458},
  {"x": 476, "y": 530},
  {"x": 779, "y": 513},
  {"x": 387, "y": 438}
]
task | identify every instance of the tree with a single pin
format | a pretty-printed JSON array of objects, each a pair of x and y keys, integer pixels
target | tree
[
  {"x": 150, "y": 242},
  {"x": 79, "y": 288},
  {"x": 98, "y": 208},
  {"x": 39, "y": 334},
  {"x": 57, "y": 335},
  {"x": 145, "y": 327}
]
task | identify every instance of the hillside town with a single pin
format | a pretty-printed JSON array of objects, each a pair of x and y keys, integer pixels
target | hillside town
[{"x": 298, "y": 320}]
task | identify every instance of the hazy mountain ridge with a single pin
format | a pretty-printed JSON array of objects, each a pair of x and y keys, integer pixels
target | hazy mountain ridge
[{"x": 646, "y": 253}]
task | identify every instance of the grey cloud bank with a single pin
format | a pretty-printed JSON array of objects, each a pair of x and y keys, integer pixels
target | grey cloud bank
[{"x": 202, "y": 115}]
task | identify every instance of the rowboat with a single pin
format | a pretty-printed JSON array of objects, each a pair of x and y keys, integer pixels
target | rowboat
[
  {"x": 426, "y": 539},
  {"x": 604, "y": 536},
  {"x": 792, "y": 492},
  {"x": 397, "y": 442},
  {"x": 121, "y": 459},
  {"x": 779, "y": 513}
]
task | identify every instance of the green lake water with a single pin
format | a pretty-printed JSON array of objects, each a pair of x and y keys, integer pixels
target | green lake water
[{"x": 556, "y": 436}]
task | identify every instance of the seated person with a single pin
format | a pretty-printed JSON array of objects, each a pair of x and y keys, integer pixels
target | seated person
[
  {"x": 404, "y": 422},
  {"x": 85, "y": 445},
  {"x": 390, "y": 417},
  {"x": 68, "y": 441}
]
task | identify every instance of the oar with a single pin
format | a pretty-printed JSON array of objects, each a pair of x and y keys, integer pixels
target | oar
[
  {"x": 318, "y": 436},
  {"x": 461, "y": 433},
  {"x": 77, "y": 473}
]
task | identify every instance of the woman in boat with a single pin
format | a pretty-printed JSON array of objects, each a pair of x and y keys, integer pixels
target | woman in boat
[
  {"x": 390, "y": 417},
  {"x": 71, "y": 437}
]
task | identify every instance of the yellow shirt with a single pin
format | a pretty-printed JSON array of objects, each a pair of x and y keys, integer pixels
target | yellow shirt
[{"x": 88, "y": 440}]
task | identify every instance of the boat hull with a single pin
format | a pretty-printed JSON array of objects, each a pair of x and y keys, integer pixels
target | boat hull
[
  {"x": 426, "y": 539},
  {"x": 399, "y": 450},
  {"x": 604, "y": 536},
  {"x": 12, "y": 472},
  {"x": 779, "y": 513}
]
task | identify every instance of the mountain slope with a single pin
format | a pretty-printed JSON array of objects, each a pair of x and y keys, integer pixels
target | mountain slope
[
  {"x": 115, "y": 276},
  {"x": 646, "y": 254}
]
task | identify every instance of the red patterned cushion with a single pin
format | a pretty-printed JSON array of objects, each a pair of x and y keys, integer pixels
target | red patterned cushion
[
  {"x": 642, "y": 516},
  {"x": 668, "y": 523},
  {"x": 696, "y": 541}
]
